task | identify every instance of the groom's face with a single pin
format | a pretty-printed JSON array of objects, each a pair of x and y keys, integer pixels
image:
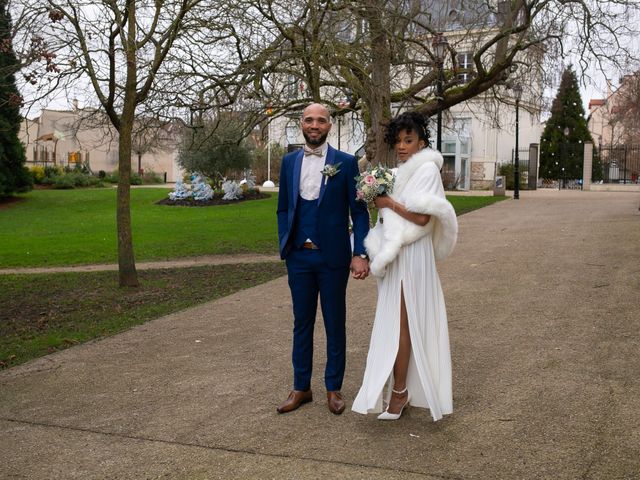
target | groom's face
[{"x": 316, "y": 125}]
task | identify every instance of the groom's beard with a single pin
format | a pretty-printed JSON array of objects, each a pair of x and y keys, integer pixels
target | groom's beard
[{"x": 317, "y": 141}]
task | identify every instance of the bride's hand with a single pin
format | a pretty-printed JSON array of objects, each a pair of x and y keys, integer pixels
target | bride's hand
[{"x": 382, "y": 201}]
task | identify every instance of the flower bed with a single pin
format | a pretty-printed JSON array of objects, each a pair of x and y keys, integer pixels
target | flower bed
[{"x": 216, "y": 200}]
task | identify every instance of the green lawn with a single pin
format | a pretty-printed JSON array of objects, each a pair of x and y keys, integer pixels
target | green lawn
[
  {"x": 466, "y": 204},
  {"x": 74, "y": 227}
]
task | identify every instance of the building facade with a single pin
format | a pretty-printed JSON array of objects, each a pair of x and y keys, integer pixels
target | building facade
[
  {"x": 79, "y": 136},
  {"x": 613, "y": 120},
  {"x": 475, "y": 139}
]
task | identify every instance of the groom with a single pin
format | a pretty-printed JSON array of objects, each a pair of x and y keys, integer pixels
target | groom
[{"x": 317, "y": 192}]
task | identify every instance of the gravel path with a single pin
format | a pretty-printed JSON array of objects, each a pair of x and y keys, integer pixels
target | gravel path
[{"x": 177, "y": 263}]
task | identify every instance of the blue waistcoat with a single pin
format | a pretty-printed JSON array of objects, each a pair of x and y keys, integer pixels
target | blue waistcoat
[{"x": 306, "y": 222}]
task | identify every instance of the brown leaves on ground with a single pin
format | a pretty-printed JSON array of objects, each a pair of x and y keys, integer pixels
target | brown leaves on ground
[{"x": 91, "y": 304}]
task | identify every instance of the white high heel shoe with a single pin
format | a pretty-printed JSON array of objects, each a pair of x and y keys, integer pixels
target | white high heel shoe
[{"x": 395, "y": 416}]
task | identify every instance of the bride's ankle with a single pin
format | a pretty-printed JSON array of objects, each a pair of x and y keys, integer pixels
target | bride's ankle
[{"x": 399, "y": 392}]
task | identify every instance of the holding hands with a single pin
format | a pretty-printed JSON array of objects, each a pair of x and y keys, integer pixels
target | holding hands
[{"x": 359, "y": 267}]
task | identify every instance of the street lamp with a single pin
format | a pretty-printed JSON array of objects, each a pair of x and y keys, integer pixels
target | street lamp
[
  {"x": 517, "y": 92},
  {"x": 566, "y": 132},
  {"x": 440, "y": 45},
  {"x": 269, "y": 183}
]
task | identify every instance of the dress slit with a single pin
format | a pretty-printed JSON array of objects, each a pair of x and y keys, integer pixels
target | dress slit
[{"x": 429, "y": 370}]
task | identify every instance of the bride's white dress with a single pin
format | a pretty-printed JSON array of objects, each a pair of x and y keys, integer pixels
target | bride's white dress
[{"x": 413, "y": 269}]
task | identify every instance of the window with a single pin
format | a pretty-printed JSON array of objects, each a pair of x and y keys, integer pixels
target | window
[
  {"x": 465, "y": 67},
  {"x": 291, "y": 88},
  {"x": 292, "y": 132},
  {"x": 449, "y": 147},
  {"x": 465, "y": 60}
]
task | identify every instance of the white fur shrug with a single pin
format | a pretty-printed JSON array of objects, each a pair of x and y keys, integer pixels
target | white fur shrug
[{"x": 418, "y": 186}]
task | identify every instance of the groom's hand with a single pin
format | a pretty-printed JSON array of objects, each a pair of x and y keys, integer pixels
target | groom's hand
[{"x": 359, "y": 268}]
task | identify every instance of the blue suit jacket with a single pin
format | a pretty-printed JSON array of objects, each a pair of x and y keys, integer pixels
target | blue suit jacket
[{"x": 337, "y": 198}]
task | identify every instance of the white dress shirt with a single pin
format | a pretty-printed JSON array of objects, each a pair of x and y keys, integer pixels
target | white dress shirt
[{"x": 311, "y": 174}]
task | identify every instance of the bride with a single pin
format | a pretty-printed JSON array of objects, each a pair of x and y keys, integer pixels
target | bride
[{"x": 416, "y": 226}]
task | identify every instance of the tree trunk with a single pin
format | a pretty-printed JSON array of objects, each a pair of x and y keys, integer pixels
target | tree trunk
[
  {"x": 379, "y": 90},
  {"x": 128, "y": 275}
]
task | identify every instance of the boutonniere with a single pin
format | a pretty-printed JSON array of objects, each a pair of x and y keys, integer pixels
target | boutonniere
[{"x": 330, "y": 170}]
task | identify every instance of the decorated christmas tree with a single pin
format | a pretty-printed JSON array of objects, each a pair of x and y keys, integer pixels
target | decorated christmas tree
[
  {"x": 562, "y": 142},
  {"x": 232, "y": 190},
  {"x": 180, "y": 191},
  {"x": 200, "y": 189}
]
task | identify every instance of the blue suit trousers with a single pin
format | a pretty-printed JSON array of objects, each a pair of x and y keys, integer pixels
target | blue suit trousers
[{"x": 310, "y": 276}]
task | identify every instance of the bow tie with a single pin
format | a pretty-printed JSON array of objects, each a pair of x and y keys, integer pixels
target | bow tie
[{"x": 313, "y": 151}]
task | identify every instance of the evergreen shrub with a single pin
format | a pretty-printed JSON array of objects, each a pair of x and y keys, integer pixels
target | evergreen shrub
[
  {"x": 152, "y": 177},
  {"x": 37, "y": 173},
  {"x": 14, "y": 175},
  {"x": 135, "y": 179},
  {"x": 508, "y": 171}
]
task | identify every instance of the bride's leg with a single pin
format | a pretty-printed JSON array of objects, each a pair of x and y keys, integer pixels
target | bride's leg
[{"x": 401, "y": 365}]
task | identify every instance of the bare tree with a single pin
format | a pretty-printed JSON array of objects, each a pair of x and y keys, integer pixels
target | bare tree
[
  {"x": 381, "y": 53},
  {"x": 137, "y": 58},
  {"x": 151, "y": 135}
]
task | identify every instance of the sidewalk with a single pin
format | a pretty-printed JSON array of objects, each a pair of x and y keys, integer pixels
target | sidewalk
[
  {"x": 542, "y": 296},
  {"x": 179, "y": 263}
]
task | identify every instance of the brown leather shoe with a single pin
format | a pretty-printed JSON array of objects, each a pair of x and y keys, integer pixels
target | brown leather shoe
[
  {"x": 335, "y": 402},
  {"x": 295, "y": 399}
]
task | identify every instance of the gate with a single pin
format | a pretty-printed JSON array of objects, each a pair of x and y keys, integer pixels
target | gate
[
  {"x": 523, "y": 167},
  {"x": 562, "y": 168},
  {"x": 527, "y": 166},
  {"x": 620, "y": 163}
]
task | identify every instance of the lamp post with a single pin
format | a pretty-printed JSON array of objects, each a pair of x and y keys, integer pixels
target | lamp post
[
  {"x": 440, "y": 45},
  {"x": 517, "y": 92},
  {"x": 269, "y": 183},
  {"x": 566, "y": 132}
]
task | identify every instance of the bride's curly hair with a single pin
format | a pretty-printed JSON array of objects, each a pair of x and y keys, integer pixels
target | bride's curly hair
[{"x": 411, "y": 122}]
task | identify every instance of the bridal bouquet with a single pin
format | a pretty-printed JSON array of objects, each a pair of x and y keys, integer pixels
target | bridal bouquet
[{"x": 373, "y": 182}]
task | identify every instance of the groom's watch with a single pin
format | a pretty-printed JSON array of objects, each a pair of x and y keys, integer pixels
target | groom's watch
[{"x": 363, "y": 256}]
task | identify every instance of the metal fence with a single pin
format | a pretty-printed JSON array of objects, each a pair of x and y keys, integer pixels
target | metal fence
[
  {"x": 527, "y": 166},
  {"x": 620, "y": 163},
  {"x": 523, "y": 166}
]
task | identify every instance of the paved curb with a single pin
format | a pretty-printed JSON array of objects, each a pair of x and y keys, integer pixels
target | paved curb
[{"x": 178, "y": 263}]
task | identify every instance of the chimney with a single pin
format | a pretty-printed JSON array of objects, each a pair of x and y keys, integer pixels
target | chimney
[{"x": 74, "y": 102}]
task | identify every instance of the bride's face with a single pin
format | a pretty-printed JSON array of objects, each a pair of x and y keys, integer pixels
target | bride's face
[{"x": 408, "y": 144}]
